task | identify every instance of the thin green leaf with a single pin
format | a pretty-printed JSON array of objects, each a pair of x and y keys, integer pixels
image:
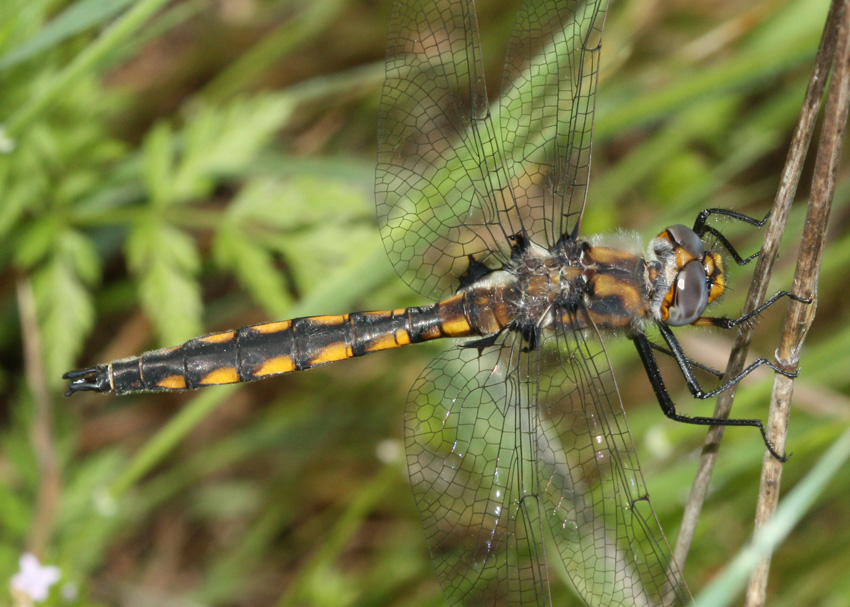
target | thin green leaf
[
  {"x": 157, "y": 163},
  {"x": 36, "y": 241},
  {"x": 75, "y": 19},
  {"x": 66, "y": 311},
  {"x": 225, "y": 141},
  {"x": 725, "y": 587},
  {"x": 165, "y": 441},
  {"x": 118, "y": 33},
  {"x": 253, "y": 266},
  {"x": 166, "y": 262}
]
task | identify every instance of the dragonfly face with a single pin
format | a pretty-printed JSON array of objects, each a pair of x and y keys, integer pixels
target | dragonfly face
[
  {"x": 516, "y": 437},
  {"x": 684, "y": 277}
]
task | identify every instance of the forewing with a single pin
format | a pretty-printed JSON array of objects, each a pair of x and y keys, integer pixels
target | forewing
[
  {"x": 594, "y": 497},
  {"x": 440, "y": 187},
  {"x": 451, "y": 181},
  {"x": 546, "y": 110},
  {"x": 471, "y": 466}
]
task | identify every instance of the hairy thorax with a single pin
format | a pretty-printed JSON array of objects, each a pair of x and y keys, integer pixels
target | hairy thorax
[{"x": 576, "y": 283}]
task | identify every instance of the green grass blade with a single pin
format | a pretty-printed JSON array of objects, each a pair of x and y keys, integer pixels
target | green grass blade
[
  {"x": 726, "y": 586},
  {"x": 73, "y": 20}
]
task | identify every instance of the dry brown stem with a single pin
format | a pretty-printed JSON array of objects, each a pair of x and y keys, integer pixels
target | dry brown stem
[
  {"x": 42, "y": 429},
  {"x": 785, "y": 194},
  {"x": 800, "y": 315}
]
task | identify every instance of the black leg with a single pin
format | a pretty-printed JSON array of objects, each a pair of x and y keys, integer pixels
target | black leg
[
  {"x": 693, "y": 385},
  {"x": 728, "y": 323},
  {"x": 701, "y": 229},
  {"x": 699, "y": 224},
  {"x": 741, "y": 261},
  {"x": 668, "y": 406},
  {"x": 482, "y": 343},
  {"x": 691, "y": 362}
]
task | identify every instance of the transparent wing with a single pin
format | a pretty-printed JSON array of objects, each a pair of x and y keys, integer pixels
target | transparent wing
[
  {"x": 510, "y": 447},
  {"x": 471, "y": 468},
  {"x": 546, "y": 110},
  {"x": 593, "y": 493},
  {"x": 437, "y": 187},
  {"x": 452, "y": 181}
]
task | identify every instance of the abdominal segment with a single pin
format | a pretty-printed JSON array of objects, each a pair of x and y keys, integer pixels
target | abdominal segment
[{"x": 276, "y": 348}]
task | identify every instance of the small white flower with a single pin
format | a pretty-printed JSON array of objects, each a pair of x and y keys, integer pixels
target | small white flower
[{"x": 35, "y": 580}]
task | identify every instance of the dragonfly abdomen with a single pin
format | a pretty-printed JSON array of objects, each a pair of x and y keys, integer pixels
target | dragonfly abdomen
[{"x": 276, "y": 348}]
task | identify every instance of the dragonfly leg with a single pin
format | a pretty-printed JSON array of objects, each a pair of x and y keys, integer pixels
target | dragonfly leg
[
  {"x": 691, "y": 362},
  {"x": 669, "y": 407},
  {"x": 482, "y": 343},
  {"x": 701, "y": 228},
  {"x": 691, "y": 380},
  {"x": 728, "y": 323}
]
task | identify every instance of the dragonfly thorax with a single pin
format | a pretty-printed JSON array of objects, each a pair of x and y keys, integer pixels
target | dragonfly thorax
[
  {"x": 541, "y": 283},
  {"x": 583, "y": 282},
  {"x": 576, "y": 283}
]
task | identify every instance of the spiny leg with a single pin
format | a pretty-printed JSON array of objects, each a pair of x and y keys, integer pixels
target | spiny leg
[
  {"x": 669, "y": 407},
  {"x": 706, "y": 213},
  {"x": 728, "y": 323},
  {"x": 691, "y": 362},
  {"x": 701, "y": 228},
  {"x": 691, "y": 380}
]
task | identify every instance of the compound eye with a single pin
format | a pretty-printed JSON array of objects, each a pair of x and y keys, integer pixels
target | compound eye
[
  {"x": 690, "y": 295},
  {"x": 687, "y": 239}
]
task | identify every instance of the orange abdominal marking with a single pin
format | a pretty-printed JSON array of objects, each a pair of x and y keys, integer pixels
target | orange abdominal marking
[
  {"x": 333, "y": 319},
  {"x": 384, "y": 342},
  {"x": 272, "y": 327},
  {"x": 332, "y": 352},
  {"x": 218, "y": 338},
  {"x": 278, "y": 364},
  {"x": 222, "y": 375},
  {"x": 456, "y": 327},
  {"x": 172, "y": 382}
]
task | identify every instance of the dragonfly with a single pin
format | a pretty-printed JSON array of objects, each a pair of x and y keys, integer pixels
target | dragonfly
[{"x": 517, "y": 445}]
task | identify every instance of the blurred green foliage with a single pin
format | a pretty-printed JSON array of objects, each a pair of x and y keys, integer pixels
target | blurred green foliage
[{"x": 173, "y": 168}]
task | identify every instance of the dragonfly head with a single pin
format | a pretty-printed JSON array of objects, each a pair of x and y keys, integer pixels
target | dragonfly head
[{"x": 684, "y": 277}]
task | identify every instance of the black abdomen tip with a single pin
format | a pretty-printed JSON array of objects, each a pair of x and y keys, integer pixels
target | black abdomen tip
[{"x": 95, "y": 379}]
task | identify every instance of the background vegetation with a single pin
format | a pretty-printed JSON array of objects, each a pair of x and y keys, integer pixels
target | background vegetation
[{"x": 168, "y": 169}]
